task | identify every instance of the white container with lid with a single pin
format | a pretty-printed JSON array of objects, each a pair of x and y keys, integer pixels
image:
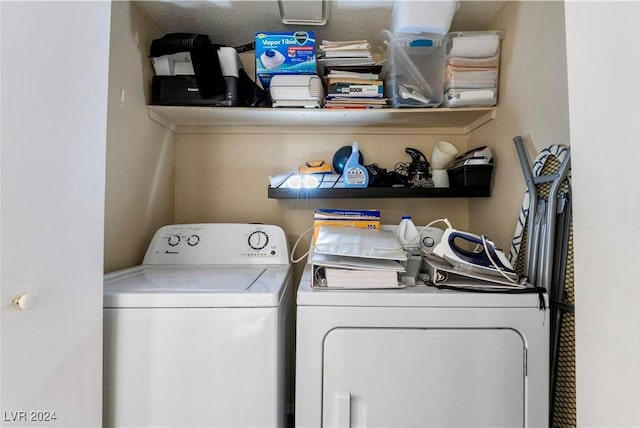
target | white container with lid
[
  {"x": 408, "y": 234},
  {"x": 423, "y": 16}
]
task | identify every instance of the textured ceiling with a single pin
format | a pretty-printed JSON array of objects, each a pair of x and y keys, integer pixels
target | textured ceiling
[{"x": 235, "y": 22}]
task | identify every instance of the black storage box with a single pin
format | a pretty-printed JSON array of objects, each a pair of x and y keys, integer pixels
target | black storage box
[{"x": 470, "y": 176}]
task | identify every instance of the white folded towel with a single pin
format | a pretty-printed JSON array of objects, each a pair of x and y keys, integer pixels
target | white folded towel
[{"x": 475, "y": 46}]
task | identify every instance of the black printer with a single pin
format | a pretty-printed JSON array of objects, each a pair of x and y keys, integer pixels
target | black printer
[{"x": 190, "y": 70}]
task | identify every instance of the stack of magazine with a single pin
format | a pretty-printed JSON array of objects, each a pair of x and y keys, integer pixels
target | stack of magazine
[
  {"x": 348, "y": 52},
  {"x": 356, "y": 258}
]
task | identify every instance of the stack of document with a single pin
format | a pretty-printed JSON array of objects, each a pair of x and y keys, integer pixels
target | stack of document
[
  {"x": 366, "y": 72},
  {"x": 351, "y": 52},
  {"x": 471, "y": 75},
  {"x": 355, "y": 258}
]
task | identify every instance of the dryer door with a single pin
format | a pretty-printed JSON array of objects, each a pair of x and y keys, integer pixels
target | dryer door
[{"x": 374, "y": 377}]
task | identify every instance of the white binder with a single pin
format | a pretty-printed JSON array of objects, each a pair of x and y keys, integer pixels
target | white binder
[{"x": 351, "y": 257}]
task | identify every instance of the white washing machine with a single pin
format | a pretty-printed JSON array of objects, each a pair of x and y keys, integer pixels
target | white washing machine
[
  {"x": 420, "y": 357},
  {"x": 200, "y": 334}
]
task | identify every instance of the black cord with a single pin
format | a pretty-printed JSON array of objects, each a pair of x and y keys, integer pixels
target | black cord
[
  {"x": 528, "y": 290},
  {"x": 402, "y": 168}
]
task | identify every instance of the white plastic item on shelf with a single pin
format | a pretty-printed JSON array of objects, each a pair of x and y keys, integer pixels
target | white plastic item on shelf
[
  {"x": 408, "y": 234},
  {"x": 474, "y": 44},
  {"x": 481, "y": 44},
  {"x": 423, "y": 16},
  {"x": 468, "y": 97}
]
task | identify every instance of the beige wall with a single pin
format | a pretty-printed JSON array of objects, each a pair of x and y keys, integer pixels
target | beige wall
[
  {"x": 140, "y": 153},
  {"x": 224, "y": 178},
  {"x": 532, "y": 103}
]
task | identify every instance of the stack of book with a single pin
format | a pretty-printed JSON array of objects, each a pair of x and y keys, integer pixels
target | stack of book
[
  {"x": 350, "y": 92},
  {"x": 352, "y": 78}
]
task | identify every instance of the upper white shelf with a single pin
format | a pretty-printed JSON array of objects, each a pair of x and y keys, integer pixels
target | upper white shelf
[{"x": 187, "y": 120}]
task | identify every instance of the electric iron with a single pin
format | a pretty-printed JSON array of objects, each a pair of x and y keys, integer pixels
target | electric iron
[{"x": 484, "y": 258}]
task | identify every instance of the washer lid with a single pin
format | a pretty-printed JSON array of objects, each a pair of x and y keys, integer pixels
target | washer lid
[
  {"x": 409, "y": 297},
  {"x": 203, "y": 286}
]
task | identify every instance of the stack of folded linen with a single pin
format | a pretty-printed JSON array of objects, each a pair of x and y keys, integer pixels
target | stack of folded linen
[{"x": 471, "y": 74}]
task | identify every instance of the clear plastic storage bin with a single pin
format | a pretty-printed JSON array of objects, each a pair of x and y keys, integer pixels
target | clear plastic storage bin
[{"x": 414, "y": 69}]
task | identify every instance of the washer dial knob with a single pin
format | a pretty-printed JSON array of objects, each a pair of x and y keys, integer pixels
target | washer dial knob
[
  {"x": 258, "y": 240},
  {"x": 173, "y": 240},
  {"x": 193, "y": 240}
]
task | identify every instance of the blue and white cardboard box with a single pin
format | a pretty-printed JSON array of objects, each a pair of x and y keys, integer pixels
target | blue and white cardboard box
[{"x": 284, "y": 53}]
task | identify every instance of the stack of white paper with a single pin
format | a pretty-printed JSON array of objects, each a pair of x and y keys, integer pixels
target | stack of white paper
[{"x": 350, "y": 52}]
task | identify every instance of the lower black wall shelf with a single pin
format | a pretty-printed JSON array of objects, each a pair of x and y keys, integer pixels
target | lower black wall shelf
[{"x": 379, "y": 192}]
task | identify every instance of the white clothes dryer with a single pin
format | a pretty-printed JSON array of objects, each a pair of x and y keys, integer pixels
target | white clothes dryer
[
  {"x": 420, "y": 357},
  {"x": 200, "y": 334}
]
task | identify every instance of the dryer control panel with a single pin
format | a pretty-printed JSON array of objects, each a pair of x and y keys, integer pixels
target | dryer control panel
[{"x": 218, "y": 243}]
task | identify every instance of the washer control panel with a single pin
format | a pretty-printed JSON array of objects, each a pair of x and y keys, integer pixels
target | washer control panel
[{"x": 218, "y": 243}]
